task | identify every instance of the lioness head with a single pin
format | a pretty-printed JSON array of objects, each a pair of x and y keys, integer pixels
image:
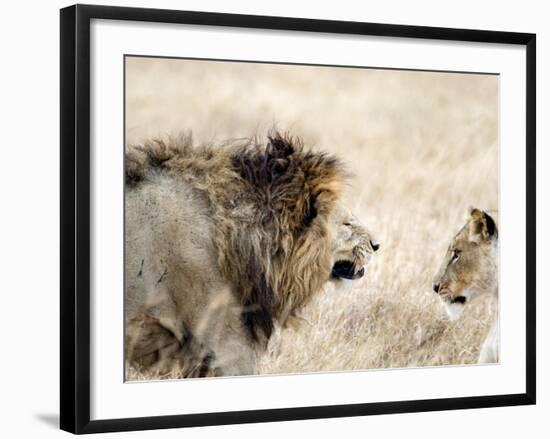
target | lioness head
[{"x": 469, "y": 267}]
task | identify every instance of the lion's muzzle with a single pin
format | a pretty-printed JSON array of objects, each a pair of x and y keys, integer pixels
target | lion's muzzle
[{"x": 347, "y": 270}]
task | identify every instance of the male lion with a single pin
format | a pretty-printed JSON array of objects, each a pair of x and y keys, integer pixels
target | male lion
[
  {"x": 223, "y": 242},
  {"x": 469, "y": 269}
]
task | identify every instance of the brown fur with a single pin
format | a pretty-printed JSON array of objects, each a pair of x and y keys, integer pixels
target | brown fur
[
  {"x": 275, "y": 213},
  {"x": 470, "y": 259},
  {"x": 470, "y": 269}
]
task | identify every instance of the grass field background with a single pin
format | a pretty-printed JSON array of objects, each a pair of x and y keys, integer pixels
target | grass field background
[{"x": 422, "y": 147}]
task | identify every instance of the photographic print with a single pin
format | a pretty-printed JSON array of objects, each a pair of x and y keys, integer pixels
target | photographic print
[
  {"x": 285, "y": 219},
  {"x": 336, "y": 217}
]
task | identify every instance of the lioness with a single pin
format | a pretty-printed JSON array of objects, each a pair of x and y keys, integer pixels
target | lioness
[
  {"x": 469, "y": 269},
  {"x": 222, "y": 242}
]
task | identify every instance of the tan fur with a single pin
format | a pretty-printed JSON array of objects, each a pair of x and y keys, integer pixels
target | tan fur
[
  {"x": 224, "y": 242},
  {"x": 470, "y": 269}
]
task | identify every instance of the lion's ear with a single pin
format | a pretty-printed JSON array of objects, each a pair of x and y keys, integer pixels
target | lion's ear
[
  {"x": 280, "y": 146},
  {"x": 481, "y": 226}
]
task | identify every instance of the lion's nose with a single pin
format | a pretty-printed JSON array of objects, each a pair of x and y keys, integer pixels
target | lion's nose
[
  {"x": 436, "y": 287},
  {"x": 374, "y": 244}
]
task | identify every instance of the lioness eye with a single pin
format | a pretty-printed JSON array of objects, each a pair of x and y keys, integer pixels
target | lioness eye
[
  {"x": 456, "y": 255},
  {"x": 347, "y": 224}
]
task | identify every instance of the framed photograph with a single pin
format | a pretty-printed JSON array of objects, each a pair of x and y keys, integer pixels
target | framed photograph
[{"x": 268, "y": 218}]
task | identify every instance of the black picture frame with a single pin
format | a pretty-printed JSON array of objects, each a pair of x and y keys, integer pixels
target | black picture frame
[{"x": 75, "y": 217}]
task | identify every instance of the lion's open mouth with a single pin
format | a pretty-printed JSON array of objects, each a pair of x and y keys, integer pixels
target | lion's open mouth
[{"x": 347, "y": 270}]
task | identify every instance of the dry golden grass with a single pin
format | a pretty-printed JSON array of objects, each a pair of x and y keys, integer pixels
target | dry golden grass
[{"x": 422, "y": 146}]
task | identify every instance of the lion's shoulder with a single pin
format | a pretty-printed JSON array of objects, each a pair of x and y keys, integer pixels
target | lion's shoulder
[{"x": 177, "y": 156}]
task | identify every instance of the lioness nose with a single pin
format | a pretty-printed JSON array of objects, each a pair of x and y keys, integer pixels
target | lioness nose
[
  {"x": 436, "y": 287},
  {"x": 375, "y": 245}
]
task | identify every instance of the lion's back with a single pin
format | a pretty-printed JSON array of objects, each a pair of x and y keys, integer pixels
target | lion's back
[{"x": 168, "y": 248}]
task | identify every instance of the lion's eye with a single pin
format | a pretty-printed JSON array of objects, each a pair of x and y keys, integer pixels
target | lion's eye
[
  {"x": 455, "y": 256},
  {"x": 347, "y": 224}
]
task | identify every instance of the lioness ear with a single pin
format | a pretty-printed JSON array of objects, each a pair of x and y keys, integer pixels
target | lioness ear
[{"x": 481, "y": 226}]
